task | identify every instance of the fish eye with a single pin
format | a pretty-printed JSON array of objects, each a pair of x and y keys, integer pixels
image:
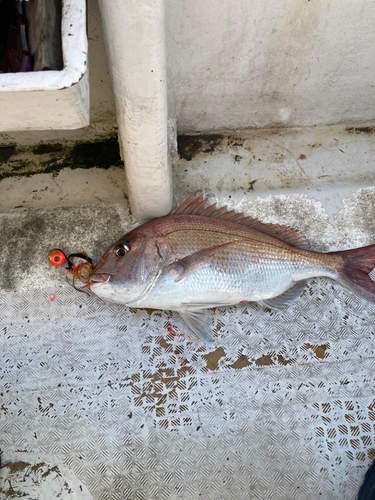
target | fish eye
[{"x": 122, "y": 250}]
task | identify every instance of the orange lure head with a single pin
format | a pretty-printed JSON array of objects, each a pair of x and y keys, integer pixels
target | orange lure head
[
  {"x": 81, "y": 271},
  {"x": 57, "y": 257}
]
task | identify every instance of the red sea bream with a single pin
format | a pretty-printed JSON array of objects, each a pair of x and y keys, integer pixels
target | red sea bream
[{"x": 200, "y": 256}]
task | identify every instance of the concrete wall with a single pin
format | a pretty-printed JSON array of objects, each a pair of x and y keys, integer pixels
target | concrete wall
[
  {"x": 245, "y": 63},
  {"x": 249, "y": 63}
]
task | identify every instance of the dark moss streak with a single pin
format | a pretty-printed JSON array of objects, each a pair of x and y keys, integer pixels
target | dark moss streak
[{"x": 52, "y": 158}]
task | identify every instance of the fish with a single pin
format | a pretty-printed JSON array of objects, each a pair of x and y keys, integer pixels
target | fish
[{"x": 201, "y": 256}]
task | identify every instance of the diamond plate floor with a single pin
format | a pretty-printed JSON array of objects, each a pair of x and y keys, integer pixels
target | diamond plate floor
[{"x": 283, "y": 406}]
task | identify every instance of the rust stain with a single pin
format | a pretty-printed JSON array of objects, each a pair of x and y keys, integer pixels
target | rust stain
[
  {"x": 241, "y": 362},
  {"x": 10, "y": 491},
  {"x": 212, "y": 359},
  {"x": 302, "y": 157},
  {"x": 265, "y": 360},
  {"x": 148, "y": 310},
  {"x": 284, "y": 361},
  {"x": 47, "y": 408},
  {"x": 318, "y": 350},
  {"x": 15, "y": 466},
  {"x": 35, "y": 467},
  {"x": 154, "y": 385},
  {"x": 50, "y": 470},
  {"x": 153, "y": 391}
]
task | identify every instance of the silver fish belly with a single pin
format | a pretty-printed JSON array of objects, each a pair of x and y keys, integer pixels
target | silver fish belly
[{"x": 229, "y": 279}]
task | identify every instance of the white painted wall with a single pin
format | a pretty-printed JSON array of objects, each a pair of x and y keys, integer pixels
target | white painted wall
[
  {"x": 248, "y": 63},
  {"x": 45, "y": 100},
  {"x": 102, "y": 107},
  {"x": 251, "y": 63}
]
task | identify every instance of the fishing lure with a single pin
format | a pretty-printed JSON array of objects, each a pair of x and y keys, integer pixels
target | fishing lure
[{"x": 80, "y": 271}]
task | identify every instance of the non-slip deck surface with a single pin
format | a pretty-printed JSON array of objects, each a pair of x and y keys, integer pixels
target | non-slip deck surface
[{"x": 282, "y": 406}]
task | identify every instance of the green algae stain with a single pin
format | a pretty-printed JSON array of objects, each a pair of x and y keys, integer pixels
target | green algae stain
[
  {"x": 54, "y": 157},
  {"x": 6, "y": 152},
  {"x": 42, "y": 149}
]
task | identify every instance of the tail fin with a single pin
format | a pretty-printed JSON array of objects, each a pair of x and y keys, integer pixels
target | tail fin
[{"x": 355, "y": 269}]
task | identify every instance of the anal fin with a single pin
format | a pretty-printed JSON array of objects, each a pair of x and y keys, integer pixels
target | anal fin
[
  {"x": 198, "y": 306},
  {"x": 197, "y": 322},
  {"x": 286, "y": 298}
]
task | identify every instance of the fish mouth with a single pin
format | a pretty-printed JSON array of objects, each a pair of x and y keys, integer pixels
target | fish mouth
[{"x": 100, "y": 278}]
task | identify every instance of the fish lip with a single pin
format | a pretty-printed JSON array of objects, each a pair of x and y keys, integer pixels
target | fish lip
[{"x": 100, "y": 278}]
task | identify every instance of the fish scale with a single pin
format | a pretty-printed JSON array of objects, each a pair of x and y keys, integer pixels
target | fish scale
[
  {"x": 200, "y": 256},
  {"x": 247, "y": 270}
]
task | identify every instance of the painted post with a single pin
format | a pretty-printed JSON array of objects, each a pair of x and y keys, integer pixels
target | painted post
[{"x": 134, "y": 34}]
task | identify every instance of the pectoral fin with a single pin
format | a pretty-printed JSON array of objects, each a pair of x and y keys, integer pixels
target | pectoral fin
[
  {"x": 286, "y": 298},
  {"x": 197, "y": 322},
  {"x": 194, "y": 261}
]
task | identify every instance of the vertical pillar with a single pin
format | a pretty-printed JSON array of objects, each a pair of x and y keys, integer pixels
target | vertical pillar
[{"x": 134, "y": 34}]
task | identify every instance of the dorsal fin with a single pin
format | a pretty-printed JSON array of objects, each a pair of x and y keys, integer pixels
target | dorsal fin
[{"x": 201, "y": 207}]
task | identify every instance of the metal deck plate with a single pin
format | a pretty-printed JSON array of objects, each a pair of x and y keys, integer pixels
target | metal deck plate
[{"x": 281, "y": 407}]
